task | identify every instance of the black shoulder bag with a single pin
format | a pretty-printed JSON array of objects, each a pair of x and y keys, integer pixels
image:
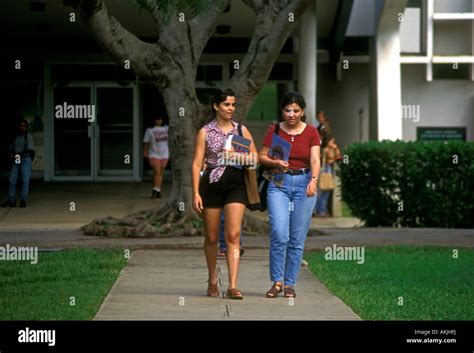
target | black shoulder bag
[{"x": 262, "y": 182}]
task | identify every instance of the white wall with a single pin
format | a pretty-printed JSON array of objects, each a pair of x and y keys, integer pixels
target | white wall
[
  {"x": 452, "y": 38},
  {"x": 341, "y": 100},
  {"x": 410, "y": 31},
  {"x": 442, "y": 102},
  {"x": 362, "y": 19},
  {"x": 452, "y": 5}
]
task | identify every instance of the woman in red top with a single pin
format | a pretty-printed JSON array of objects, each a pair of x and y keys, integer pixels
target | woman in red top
[{"x": 290, "y": 205}]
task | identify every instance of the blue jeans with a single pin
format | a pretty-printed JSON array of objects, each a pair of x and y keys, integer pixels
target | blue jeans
[
  {"x": 222, "y": 243},
  {"x": 23, "y": 168},
  {"x": 289, "y": 211},
  {"x": 323, "y": 195}
]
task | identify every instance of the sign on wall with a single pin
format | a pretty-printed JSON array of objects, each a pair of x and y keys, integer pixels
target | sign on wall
[{"x": 440, "y": 133}]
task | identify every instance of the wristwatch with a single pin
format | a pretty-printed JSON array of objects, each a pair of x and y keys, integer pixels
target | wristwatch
[{"x": 315, "y": 177}]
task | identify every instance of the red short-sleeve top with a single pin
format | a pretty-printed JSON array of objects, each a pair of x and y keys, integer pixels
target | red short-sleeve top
[{"x": 301, "y": 146}]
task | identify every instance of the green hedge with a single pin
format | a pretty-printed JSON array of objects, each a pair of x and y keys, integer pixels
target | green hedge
[{"x": 413, "y": 184}]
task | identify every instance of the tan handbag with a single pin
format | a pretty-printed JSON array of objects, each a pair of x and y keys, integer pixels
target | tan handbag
[
  {"x": 251, "y": 185},
  {"x": 326, "y": 180}
]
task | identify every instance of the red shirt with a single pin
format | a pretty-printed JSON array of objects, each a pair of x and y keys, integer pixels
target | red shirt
[{"x": 301, "y": 146}]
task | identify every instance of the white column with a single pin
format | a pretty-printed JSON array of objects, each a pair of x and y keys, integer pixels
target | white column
[
  {"x": 307, "y": 61},
  {"x": 429, "y": 39},
  {"x": 472, "y": 42},
  {"x": 387, "y": 93}
]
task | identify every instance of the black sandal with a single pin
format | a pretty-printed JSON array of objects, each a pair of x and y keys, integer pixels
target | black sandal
[{"x": 276, "y": 288}]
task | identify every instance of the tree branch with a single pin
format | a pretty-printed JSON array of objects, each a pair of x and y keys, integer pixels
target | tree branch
[
  {"x": 115, "y": 39},
  {"x": 256, "y": 5},
  {"x": 271, "y": 31},
  {"x": 151, "y": 7},
  {"x": 202, "y": 27}
]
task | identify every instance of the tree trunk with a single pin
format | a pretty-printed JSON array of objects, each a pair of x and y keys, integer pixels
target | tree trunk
[
  {"x": 176, "y": 216},
  {"x": 183, "y": 107}
]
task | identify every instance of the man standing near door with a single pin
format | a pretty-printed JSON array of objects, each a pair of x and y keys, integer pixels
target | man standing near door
[
  {"x": 156, "y": 150},
  {"x": 21, "y": 154}
]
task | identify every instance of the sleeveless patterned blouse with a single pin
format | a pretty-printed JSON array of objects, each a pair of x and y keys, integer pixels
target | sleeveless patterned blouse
[{"x": 215, "y": 138}]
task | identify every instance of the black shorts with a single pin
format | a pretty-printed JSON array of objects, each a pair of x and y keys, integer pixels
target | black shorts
[{"x": 229, "y": 188}]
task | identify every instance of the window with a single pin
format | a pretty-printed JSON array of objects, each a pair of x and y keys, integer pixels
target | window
[
  {"x": 451, "y": 71},
  {"x": 265, "y": 107}
]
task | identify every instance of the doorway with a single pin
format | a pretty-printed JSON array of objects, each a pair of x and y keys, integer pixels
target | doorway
[{"x": 95, "y": 132}]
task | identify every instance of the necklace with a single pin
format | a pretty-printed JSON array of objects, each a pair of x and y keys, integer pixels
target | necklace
[{"x": 295, "y": 134}]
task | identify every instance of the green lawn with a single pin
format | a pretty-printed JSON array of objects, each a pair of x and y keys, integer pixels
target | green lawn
[
  {"x": 345, "y": 210},
  {"x": 43, "y": 291},
  {"x": 433, "y": 285}
]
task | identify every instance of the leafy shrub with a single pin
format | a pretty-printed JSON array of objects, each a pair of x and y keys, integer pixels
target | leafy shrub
[{"x": 413, "y": 184}]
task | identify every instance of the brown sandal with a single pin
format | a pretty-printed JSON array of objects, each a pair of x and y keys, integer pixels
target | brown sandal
[
  {"x": 212, "y": 290},
  {"x": 273, "y": 292},
  {"x": 234, "y": 293},
  {"x": 289, "y": 292}
]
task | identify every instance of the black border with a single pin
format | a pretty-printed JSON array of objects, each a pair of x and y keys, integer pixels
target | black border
[{"x": 237, "y": 336}]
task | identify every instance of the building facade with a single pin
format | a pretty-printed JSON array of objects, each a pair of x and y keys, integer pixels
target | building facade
[{"x": 392, "y": 69}]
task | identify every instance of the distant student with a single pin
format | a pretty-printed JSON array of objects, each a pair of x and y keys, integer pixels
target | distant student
[
  {"x": 330, "y": 153},
  {"x": 324, "y": 125},
  {"x": 21, "y": 152},
  {"x": 157, "y": 152}
]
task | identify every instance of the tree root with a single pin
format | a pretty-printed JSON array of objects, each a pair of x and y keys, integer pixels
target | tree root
[{"x": 165, "y": 222}]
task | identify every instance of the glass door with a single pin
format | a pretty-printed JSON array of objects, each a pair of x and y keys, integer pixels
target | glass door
[
  {"x": 72, "y": 132},
  {"x": 114, "y": 127}
]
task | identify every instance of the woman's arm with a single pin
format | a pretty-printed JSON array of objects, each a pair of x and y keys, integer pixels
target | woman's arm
[
  {"x": 199, "y": 151},
  {"x": 145, "y": 149},
  {"x": 315, "y": 168},
  {"x": 271, "y": 163},
  {"x": 252, "y": 148}
]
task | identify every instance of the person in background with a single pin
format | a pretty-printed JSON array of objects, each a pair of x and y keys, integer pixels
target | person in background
[
  {"x": 155, "y": 146},
  {"x": 330, "y": 153},
  {"x": 324, "y": 125},
  {"x": 21, "y": 152}
]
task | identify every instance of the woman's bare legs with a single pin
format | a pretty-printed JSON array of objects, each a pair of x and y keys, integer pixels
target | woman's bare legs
[
  {"x": 233, "y": 213},
  {"x": 158, "y": 171},
  {"x": 211, "y": 228}
]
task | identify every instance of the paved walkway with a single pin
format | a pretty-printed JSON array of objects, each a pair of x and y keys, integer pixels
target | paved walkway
[{"x": 171, "y": 285}]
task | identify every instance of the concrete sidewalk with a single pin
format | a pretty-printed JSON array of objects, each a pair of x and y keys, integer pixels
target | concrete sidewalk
[
  {"x": 49, "y": 206},
  {"x": 171, "y": 285}
]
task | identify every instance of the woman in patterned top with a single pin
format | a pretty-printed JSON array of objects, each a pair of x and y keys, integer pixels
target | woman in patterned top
[{"x": 220, "y": 188}]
